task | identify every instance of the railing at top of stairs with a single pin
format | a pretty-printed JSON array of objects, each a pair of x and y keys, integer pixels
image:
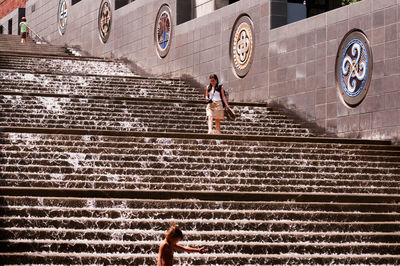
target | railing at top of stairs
[{"x": 36, "y": 37}]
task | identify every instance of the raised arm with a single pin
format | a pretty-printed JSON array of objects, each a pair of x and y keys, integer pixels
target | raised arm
[{"x": 190, "y": 249}]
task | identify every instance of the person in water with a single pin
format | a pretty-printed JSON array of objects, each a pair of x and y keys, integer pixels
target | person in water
[{"x": 170, "y": 245}]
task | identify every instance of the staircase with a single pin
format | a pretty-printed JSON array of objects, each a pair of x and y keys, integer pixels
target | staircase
[
  {"x": 12, "y": 44},
  {"x": 97, "y": 162}
]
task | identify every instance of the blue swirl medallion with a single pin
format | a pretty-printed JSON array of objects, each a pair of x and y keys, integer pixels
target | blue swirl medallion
[{"x": 354, "y": 68}]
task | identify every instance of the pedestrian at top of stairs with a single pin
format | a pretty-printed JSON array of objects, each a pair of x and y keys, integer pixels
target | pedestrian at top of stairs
[
  {"x": 216, "y": 102},
  {"x": 170, "y": 245},
  {"x": 24, "y": 26}
]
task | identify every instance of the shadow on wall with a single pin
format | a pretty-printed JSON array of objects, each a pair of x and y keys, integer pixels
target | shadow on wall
[{"x": 293, "y": 115}]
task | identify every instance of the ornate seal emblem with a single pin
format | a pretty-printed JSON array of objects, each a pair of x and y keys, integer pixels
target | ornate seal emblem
[
  {"x": 163, "y": 31},
  {"x": 242, "y": 45},
  {"x": 62, "y": 15},
  {"x": 104, "y": 20},
  {"x": 354, "y": 68}
]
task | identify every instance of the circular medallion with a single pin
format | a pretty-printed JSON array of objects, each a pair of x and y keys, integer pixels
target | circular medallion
[
  {"x": 104, "y": 20},
  {"x": 242, "y": 46},
  {"x": 163, "y": 31},
  {"x": 62, "y": 15},
  {"x": 354, "y": 68}
]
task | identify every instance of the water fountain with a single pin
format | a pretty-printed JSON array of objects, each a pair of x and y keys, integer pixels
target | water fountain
[{"x": 94, "y": 168}]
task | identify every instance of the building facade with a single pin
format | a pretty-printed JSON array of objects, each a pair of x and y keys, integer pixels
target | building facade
[{"x": 338, "y": 69}]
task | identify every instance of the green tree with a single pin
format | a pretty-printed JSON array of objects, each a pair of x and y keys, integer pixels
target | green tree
[{"x": 346, "y": 2}]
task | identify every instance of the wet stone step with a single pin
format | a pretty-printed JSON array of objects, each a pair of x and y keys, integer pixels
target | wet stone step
[
  {"x": 161, "y": 128},
  {"x": 131, "y": 119},
  {"x": 204, "y": 214},
  {"x": 144, "y": 170},
  {"x": 33, "y": 140},
  {"x": 166, "y": 117},
  {"x": 16, "y": 148},
  {"x": 111, "y": 154},
  {"x": 229, "y": 183},
  {"x": 140, "y": 92},
  {"x": 136, "y": 155},
  {"x": 208, "y": 148},
  {"x": 63, "y": 65},
  {"x": 35, "y": 49},
  {"x": 129, "y": 204},
  {"x": 281, "y": 187},
  {"x": 215, "y": 236},
  {"x": 151, "y": 124},
  {"x": 147, "y": 247},
  {"x": 71, "y": 103},
  {"x": 76, "y": 161},
  {"x": 32, "y": 58},
  {"x": 168, "y": 110},
  {"x": 196, "y": 259},
  {"x": 137, "y": 93},
  {"x": 50, "y": 106},
  {"x": 107, "y": 87},
  {"x": 200, "y": 225},
  {"x": 149, "y": 170},
  {"x": 35, "y": 81},
  {"x": 13, "y": 77},
  {"x": 168, "y": 128}
]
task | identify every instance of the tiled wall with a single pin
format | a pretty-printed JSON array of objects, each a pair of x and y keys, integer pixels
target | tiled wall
[
  {"x": 302, "y": 69},
  {"x": 294, "y": 65}
]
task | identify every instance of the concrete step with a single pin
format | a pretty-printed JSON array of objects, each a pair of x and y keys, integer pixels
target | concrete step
[
  {"x": 287, "y": 185},
  {"x": 198, "y": 143},
  {"x": 94, "y": 86},
  {"x": 202, "y": 195},
  {"x": 141, "y": 155},
  {"x": 196, "y": 259},
  {"x": 157, "y": 213},
  {"x": 264, "y": 150},
  {"x": 87, "y": 80},
  {"x": 116, "y": 206},
  {"x": 64, "y": 65},
  {"x": 275, "y": 153},
  {"x": 146, "y": 247},
  {"x": 131, "y": 235},
  {"x": 168, "y": 110},
  {"x": 31, "y": 48},
  {"x": 228, "y": 181},
  {"x": 82, "y": 225},
  {"x": 391, "y": 228},
  {"x": 133, "y": 116}
]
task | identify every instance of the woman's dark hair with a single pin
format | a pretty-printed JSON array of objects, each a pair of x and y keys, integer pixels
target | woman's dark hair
[
  {"x": 174, "y": 232},
  {"x": 213, "y": 76}
]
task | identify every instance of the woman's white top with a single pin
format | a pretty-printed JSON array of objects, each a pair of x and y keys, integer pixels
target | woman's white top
[{"x": 215, "y": 96}]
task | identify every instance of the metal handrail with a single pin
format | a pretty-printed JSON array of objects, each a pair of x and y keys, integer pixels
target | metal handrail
[{"x": 41, "y": 40}]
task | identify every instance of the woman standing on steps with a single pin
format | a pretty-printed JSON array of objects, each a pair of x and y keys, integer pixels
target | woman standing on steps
[{"x": 216, "y": 102}]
